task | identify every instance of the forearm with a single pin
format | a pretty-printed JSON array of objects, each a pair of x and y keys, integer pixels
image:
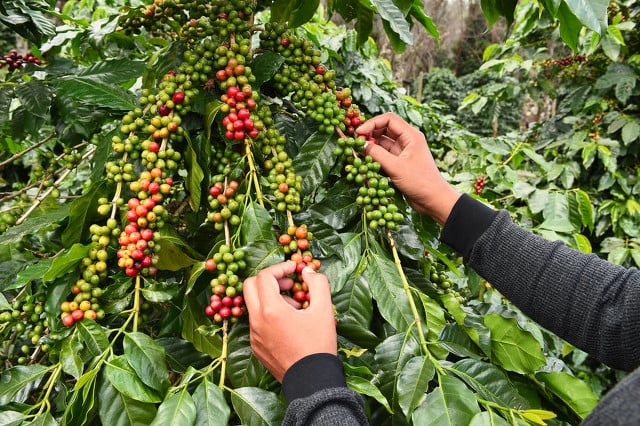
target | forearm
[
  {"x": 591, "y": 303},
  {"x": 317, "y": 395}
]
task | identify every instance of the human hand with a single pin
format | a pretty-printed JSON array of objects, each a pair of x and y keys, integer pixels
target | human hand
[
  {"x": 404, "y": 155},
  {"x": 280, "y": 332}
]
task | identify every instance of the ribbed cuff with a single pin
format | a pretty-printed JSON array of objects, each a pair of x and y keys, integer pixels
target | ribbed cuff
[
  {"x": 468, "y": 220},
  {"x": 311, "y": 374}
]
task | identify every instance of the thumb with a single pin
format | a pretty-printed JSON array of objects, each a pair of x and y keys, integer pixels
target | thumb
[
  {"x": 386, "y": 159},
  {"x": 319, "y": 288}
]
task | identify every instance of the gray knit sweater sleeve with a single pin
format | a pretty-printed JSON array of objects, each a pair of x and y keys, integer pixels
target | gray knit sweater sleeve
[{"x": 591, "y": 303}]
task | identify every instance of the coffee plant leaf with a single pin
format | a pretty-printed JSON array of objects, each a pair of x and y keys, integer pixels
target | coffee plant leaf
[
  {"x": 257, "y": 224},
  {"x": 413, "y": 383},
  {"x": 265, "y": 65},
  {"x": 391, "y": 14},
  {"x": 194, "y": 179},
  {"x": 490, "y": 382},
  {"x": 512, "y": 347},
  {"x": 261, "y": 254},
  {"x": 211, "y": 407},
  {"x": 488, "y": 418},
  {"x": 192, "y": 319},
  {"x": 83, "y": 212},
  {"x": 340, "y": 269},
  {"x": 418, "y": 14},
  {"x": 256, "y": 406},
  {"x": 451, "y": 403},
  {"x": 31, "y": 271},
  {"x": 11, "y": 418},
  {"x": 455, "y": 340},
  {"x": 244, "y": 369},
  {"x": 570, "y": 26},
  {"x": 35, "y": 96},
  {"x": 177, "y": 410},
  {"x": 314, "y": 160},
  {"x": 493, "y": 10},
  {"x": 386, "y": 287},
  {"x": 390, "y": 357},
  {"x": 4, "y": 303},
  {"x": 67, "y": 261},
  {"x": 336, "y": 211},
  {"x": 365, "y": 387},
  {"x": 181, "y": 354},
  {"x": 573, "y": 391},
  {"x": 435, "y": 321},
  {"x": 592, "y": 14},
  {"x": 70, "y": 358},
  {"x": 160, "y": 291},
  {"x": 117, "y": 409},
  {"x": 124, "y": 378},
  {"x": 94, "y": 92},
  {"x": 175, "y": 254},
  {"x": 35, "y": 223},
  {"x": 354, "y": 301},
  {"x": 115, "y": 71},
  {"x": 147, "y": 358},
  {"x": 16, "y": 379},
  {"x": 93, "y": 337}
]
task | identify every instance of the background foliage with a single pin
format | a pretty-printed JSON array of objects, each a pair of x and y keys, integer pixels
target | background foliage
[{"x": 549, "y": 123}]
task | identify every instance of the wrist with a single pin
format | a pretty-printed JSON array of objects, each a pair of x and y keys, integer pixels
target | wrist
[
  {"x": 311, "y": 374},
  {"x": 442, "y": 204}
]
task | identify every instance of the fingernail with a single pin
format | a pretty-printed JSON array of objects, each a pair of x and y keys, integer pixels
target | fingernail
[
  {"x": 366, "y": 144},
  {"x": 309, "y": 269}
]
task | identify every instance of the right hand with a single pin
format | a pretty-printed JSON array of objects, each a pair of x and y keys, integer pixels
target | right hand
[{"x": 404, "y": 155}]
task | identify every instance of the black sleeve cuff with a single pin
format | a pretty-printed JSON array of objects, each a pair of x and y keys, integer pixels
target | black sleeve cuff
[
  {"x": 468, "y": 220},
  {"x": 311, "y": 374}
]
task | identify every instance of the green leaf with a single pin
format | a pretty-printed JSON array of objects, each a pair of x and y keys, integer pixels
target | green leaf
[
  {"x": 454, "y": 338},
  {"x": 494, "y": 9},
  {"x": 36, "y": 97},
  {"x": 556, "y": 214},
  {"x": 490, "y": 382},
  {"x": 17, "y": 378},
  {"x": 179, "y": 409},
  {"x": 264, "y": 66},
  {"x": 582, "y": 243},
  {"x": 340, "y": 269},
  {"x": 114, "y": 71},
  {"x": 126, "y": 381},
  {"x": 11, "y": 418},
  {"x": 295, "y": 12},
  {"x": 364, "y": 23},
  {"x": 257, "y": 224},
  {"x": 194, "y": 178},
  {"x": 94, "y": 92},
  {"x": 116, "y": 409},
  {"x": 390, "y": 13},
  {"x": 570, "y": 26},
  {"x": 83, "y": 213},
  {"x": 257, "y": 407},
  {"x": 243, "y": 368},
  {"x": 93, "y": 337},
  {"x": 413, "y": 383},
  {"x": 586, "y": 208},
  {"x": 574, "y": 392},
  {"x": 174, "y": 254},
  {"x": 181, "y": 354},
  {"x": 314, "y": 160},
  {"x": 31, "y": 272},
  {"x": 425, "y": 21},
  {"x": 147, "y": 358},
  {"x": 591, "y": 13},
  {"x": 45, "y": 419},
  {"x": 35, "y": 224},
  {"x": 336, "y": 211},
  {"x": 261, "y": 254},
  {"x": 193, "y": 318},
  {"x": 211, "y": 406},
  {"x": 630, "y": 132},
  {"x": 488, "y": 418},
  {"x": 66, "y": 262},
  {"x": 450, "y": 404},
  {"x": 365, "y": 387},
  {"x": 70, "y": 357},
  {"x": 386, "y": 287},
  {"x": 512, "y": 347},
  {"x": 390, "y": 357}
]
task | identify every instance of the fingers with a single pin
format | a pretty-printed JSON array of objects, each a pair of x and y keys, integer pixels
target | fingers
[
  {"x": 319, "y": 289},
  {"x": 264, "y": 288},
  {"x": 388, "y": 124},
  {"x": 384, "y": 153}
]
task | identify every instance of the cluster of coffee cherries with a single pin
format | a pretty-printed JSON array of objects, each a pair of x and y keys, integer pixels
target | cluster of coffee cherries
[
  {"x": 376, "y": 195},
  {"x": 439, "y": 278},
  {"x": 154, "y": 18},
  {"x": 10, "y": 215},
  {"x": 88, "y": 288},
  {"x": 225, "y": 203},
  {"x": 25, "y": 323},
  {"x": 14, "y": 60},
  {"x": 226, "y": 301},
  {"x": 145, "y": 214},
  {"x": 238, "y": 123},
  {"x": 296, "y": 244},
  {"x": 479, "y": 184}
]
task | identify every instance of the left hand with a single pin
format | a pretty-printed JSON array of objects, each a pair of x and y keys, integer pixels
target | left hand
[{"x": 282, "y": 334}]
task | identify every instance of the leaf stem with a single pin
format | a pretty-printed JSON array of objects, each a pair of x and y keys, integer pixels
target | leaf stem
[
  {"x": 253, "y": 172},
  {"x": 21, "y": 154},
  {"x": 136, "y": 304},
  {"x": 407, "y": 289},
  {"x": 223, "y": 355}
]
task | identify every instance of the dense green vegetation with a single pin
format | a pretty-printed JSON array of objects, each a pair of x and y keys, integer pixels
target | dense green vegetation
[{"x": 155, "y": 155}]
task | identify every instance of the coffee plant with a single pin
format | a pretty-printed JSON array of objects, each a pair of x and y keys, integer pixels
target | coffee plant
[{"x": 156, "y": 157}]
